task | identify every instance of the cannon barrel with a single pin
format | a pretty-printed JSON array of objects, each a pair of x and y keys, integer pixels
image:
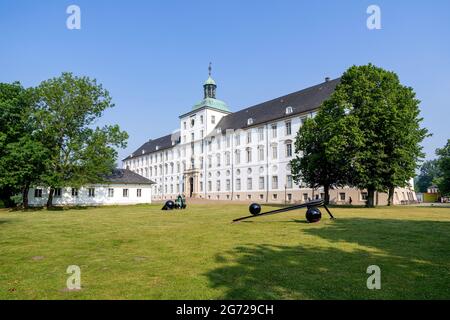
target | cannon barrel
[{"x": 311, "y": 204}]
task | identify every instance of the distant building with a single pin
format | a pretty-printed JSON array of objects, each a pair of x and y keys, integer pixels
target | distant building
[
  {"x": 122, "y": 187},
  {"x": 433, "y": 189},
  {"x": 220, "y": 155}
]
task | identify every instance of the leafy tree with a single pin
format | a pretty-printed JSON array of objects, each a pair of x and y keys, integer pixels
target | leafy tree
[
  {"x": 443, "y": 163},
  {"x": 400, "y": 129},
  {"x": 66, "y": 110},
  {"x": 373, "y": 132},
  {"x": 429, "y": 171},
  {"x": 314, "y": 165},
  {"x": 21, "y": 155}
]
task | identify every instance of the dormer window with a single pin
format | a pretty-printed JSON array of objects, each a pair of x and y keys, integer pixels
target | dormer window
[
  {"x": 289, "y": 110},
  {"x": 143, "y": 151},
  {"x": 250, "y": 121},
  {"x": 157, "y": 148}
]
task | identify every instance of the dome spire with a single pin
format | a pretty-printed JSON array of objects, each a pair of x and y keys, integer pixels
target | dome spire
[{"x": 210, "y": 85}]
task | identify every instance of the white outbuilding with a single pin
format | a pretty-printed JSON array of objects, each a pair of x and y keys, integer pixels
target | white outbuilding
[{"x": 121, "y": 187}]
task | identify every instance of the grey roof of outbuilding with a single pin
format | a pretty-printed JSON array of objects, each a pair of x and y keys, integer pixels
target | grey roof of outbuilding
[
  {"x": 125, "y": 176},
  {"x": 303, "y": 101}
]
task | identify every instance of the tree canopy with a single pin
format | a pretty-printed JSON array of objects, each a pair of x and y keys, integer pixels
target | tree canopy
[
  {"x": 443, "y": 163},
  {"x": 48, "y": 135},
  {"x": 369, "y": 129}
]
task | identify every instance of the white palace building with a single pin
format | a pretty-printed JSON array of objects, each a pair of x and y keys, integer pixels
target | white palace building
[{"x": 222, "y": 155}]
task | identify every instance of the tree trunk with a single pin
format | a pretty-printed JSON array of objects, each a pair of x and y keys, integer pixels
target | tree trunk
[
  {"x": 25, "y": 191},
  {"x": 326, "y": 190},
  {"x": 370, "y": 197},
  {"x": 50, "y": 198},
  {"x": 391, "y": 196}
]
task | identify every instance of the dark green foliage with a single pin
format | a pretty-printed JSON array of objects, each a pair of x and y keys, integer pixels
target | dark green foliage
[
  {"x": 429, "y": 171},
  {"x": 48, "y": 138},
  {"x": 366, "y": 135},
  {"x": 443, "y": 163},
  {"x": 67, "y": 108}
]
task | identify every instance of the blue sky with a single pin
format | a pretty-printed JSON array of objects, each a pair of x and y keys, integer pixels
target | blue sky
[{"x": 153, "y": 55}]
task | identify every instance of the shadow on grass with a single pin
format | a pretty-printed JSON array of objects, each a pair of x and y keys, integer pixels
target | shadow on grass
[{"x": 413, "y": 257}]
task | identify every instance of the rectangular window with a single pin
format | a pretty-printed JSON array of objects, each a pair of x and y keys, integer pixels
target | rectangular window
[
  {"x": 305, "y": 197},
  {"x": 228, "y": 141},
  {"x": 275, "y": 196},
  {"x": 249, "y": 183},
  {"x": 364, "y": 196},
  {"x": 184, "y": 125},
  {"x": 110, "y": 192},
  {"x": 261, "y": 134},
  {"x": 209, "y": 186},
  {"x": 249, "y": 155},
  {"x": 201, "y": 186},
  {"x": 342, "y": 196},
  {"x": 125, "y": 193},
  {"x": 302, "y": 121},
  {"x": 218, "y": 185},
  {"x": 74, "y": 192},
  {"x": 228, "y": 184},
  {"x": 289, "y": 182},
  {"x": 274, "y": 152},
  {"x": 238, "y": 157},
  {"x": 139, "y": 192},
  {"x": 38, "y": 193},
  {"x": 228, "y": 158},
  {"x": 192, "y": 136},
  {"x": 274, "y": 131},
  {"x": 201, "y": 120},
  {"x": 289, "y": 197},
  {"x": 289, "y": 150},
  {"x": 238, "y": 140},
  {"x": 261, "y": 183},
  {"x": 261, "y": 153},
  {"x": 57, "y": 193},
  {"x": 275, "y": 182},
  {"x": 213, "y": 119},
  {"x": 249, "y": 137},
  {"x": 91, "y": 192},
  {"x": 288, "y": 128},
  {"x": 238, "y": 184}
]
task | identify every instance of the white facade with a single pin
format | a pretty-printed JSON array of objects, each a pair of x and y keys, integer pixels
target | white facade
[
  {"x": 94, "y": 195},
  {"x": 251, "y": 163}
]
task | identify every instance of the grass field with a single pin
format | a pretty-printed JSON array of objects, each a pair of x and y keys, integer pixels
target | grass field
[{"x": 140, "y": 252}]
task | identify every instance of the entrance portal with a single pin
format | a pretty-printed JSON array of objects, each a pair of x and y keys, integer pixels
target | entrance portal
[{"x": 191, "y": 187}]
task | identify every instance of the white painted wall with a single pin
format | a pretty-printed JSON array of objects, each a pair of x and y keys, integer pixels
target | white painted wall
[{"x": 101, "y": 196}]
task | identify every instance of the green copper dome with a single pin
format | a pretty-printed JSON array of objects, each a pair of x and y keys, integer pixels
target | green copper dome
[{"x": 212, "y": 103}]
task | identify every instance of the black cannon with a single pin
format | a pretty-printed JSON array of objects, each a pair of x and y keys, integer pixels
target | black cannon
[
  {"x": 313, "y": 213},
  {"x": 169, "y": 205}
]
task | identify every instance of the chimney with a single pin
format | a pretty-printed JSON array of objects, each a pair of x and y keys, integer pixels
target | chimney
[{"x": 327, "y": 79}]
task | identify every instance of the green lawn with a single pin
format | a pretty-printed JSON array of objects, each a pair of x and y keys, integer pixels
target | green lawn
[{"x": 140, "y": 252}]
